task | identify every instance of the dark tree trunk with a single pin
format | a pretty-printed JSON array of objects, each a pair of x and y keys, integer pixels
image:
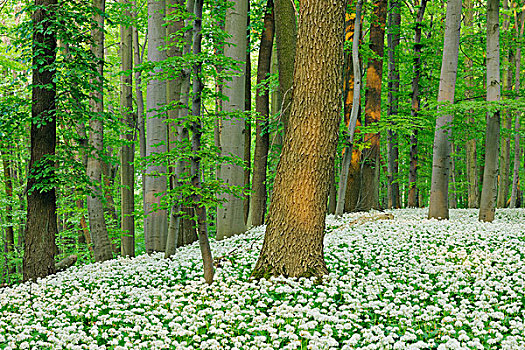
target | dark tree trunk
[
  {"x": 41, "y": 228},
  {"x": 370, "y": 168},
  {"x": 293, "y": 244},
  {"x": 247, "y": 121},
  {"x": 262, "y": 110},
  {"x": 412, "y": 175},
  {"x": 394, "y": 24}
]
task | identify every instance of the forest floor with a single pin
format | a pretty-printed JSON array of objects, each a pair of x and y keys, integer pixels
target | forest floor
[{"x": 406, "y": 283}]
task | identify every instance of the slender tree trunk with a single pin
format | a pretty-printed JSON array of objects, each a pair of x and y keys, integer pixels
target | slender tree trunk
[
  {"x": 370, "y": 168},
  {"x": 453, "y": 198},
  {"x": 41, "y": 228},
  {"x": 394, "y": 28},
  {"x": 471, "y": 144},
  {"x": 488, "y": 192},
  {"x": 293, "y": 244},
  {"x": 8, "y": 183},
  {"x": 181, "y": 230},
  {"x": 127, "y": 151},
  {"x": 353, "y": 185},
  {"x": 156, "y": 224},
  {"x": 412, "y": 175},
  {"x": 196, "y": 129},
  {"x": 285, "y": 38},
  {"x": 230, "y": 216},
  {"x": 356, "y": 96},
  {"x": 99, "y": 234},
  {"x": 504, "y": 161},
  {"x": 516, "y": 173},
  {"x": 247, "y": 121},
  {"x": 438, "y": 208},
  {"x": 262, "y": 110}
]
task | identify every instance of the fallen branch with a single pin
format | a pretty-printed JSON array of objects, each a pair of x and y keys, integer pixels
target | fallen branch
[
  {"x": 66, "y": 263},
  {"x": 364, "y": 219}
]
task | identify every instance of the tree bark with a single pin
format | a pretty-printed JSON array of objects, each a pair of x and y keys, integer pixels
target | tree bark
[
  {"x": 438, "y": 208},
  {"x": 262, "y": 110},
  {"x": 370, "y": 167},
  {"x": 412, "y": 175},
  {"x": 155, "y": 223},
  {"x": 471, "y": 144},
  {"x": 293, "y": 244},
  {"x": 352, "y": 122},
  {"x": 8, "y": 183},
  {"x": 394, "y": 30},
  {"x": 41, "y": 228},
  {"x": 181, "y": 229},
  {"x": 230, "y": 216},
  {"x": 127, "y": 151},
  {"x": 247, "y": 121},
  {"x": 488, "y": 192},
  {"x": 196, "y": 129},
  {"x": 102, "y": 250},
  {"x": 285, "y": 38},
  {"x": 516, "y": 173}
]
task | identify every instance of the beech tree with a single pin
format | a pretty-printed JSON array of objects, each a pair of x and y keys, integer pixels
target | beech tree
[
  {"x": 447, "y": 85},
  {"x": 155, "y": 222},
  {"x": 293, "y": 243},
  {"x": 488, "y": 192},
  {"x": 262, "y": 109},
  {"x": 230, "y": 216},
  {"x": 99, "y": 234}
]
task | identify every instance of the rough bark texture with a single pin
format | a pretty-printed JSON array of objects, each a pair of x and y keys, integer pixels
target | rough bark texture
[
  {"x": 41, "y": 228},
  {"x": 412, "y": 174},
  {"x": 8, "y": 184},
  {"x": 262, "y": 110},
  {"x": 102, "y": 249},
  {"x": 127, "y": 152},
  {"x": 286, "y": 38},
  {"x": 488, "y": 192},
  {"x": 394, "y": 30},
  {"x": 155, "y": 223},
  {"x": 374, "y": 74},
  {"x": 438, "y": 208},
  {"x": 293, "y": 244},
  {"x": 230, "y": 216}
]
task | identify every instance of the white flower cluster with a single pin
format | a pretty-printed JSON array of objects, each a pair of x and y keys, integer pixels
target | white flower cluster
[{"x": 408, "y": 283}]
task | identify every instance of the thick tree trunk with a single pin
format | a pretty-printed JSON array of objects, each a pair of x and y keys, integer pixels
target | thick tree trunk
[
  {"x": 102, "y": 250},
  {"x": 516, "y": 173},
  {"x": 262, "y": 110},
  {"x": 196, "y": 129},
  {"x": 156, "y": 224},
  {"x": 394, "y": 30},
  {"x": 412, "y": 174},
  {"x": 488, "y": 192},
  {"x": 438, "y": 208},
  {"x": 41, "y": 228},
  {"x": 230, "y": 216},
  {"x": 127, "y": 151},
  {"x": 352, "y": 122},
  {"x": 285, "y": 38},
  {"x": 370, "y": 167},
  {"x": 293, "y": 244}
]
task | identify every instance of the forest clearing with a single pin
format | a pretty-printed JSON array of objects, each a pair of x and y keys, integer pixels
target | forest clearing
[{"x": 406, "y": 283}]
